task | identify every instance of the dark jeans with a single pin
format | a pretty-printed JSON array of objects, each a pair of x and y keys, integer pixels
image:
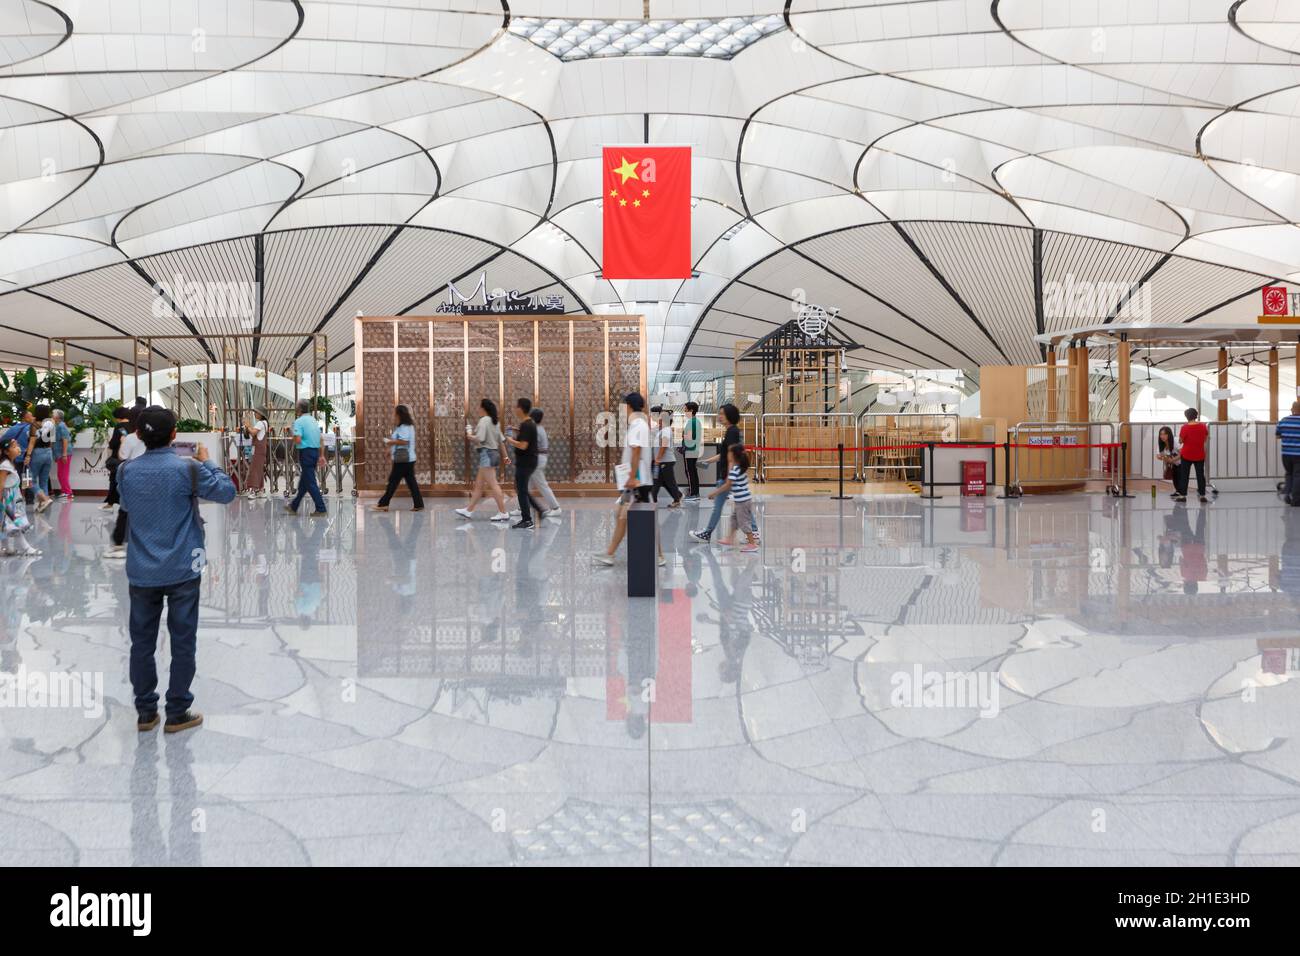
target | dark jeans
[
  {"x": 183, "y": 625},
  {"x": 1185, "y": 475},
  {"x": 693, "y": 477},
  {"x": 307, "y": 461},
  {"x": 524, "y": 474},
  {"x": 112, "y": 498},
  {"x": 402, "y": 471},
  {"x": 667, "y": 478},
  {"x": 1291, "y": 484},
  {"x": 119, "y": 529}
]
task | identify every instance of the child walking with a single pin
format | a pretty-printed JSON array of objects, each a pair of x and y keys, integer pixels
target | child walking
[
  {"x": 737, "y": 484},
  {"x": 13, "y": 519}
]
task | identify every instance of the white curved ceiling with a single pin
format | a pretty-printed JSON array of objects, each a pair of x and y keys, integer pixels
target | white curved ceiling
[{"x": 925, "y": 167}]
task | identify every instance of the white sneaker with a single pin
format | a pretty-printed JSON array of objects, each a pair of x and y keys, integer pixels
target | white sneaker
[
  {"x": 515, "y": 513},
  {"x": 105, "y": 507},
  {"x": 118, "y": 551},
  {"x": 465, "y": 513},
  {"x": 500, "y": 516},
  {"x": 604, "y": 559},
  {"x": 553, "y": 512}
]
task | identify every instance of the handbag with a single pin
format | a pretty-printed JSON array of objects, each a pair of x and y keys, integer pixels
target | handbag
[{"x": 401, "y": 455}]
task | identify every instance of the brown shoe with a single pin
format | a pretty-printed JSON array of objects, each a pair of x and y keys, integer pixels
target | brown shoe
[
  {"x": 379, "y": 508},
  {"x": 143, "y": 723},
  {"x": 185, "y": 721}
]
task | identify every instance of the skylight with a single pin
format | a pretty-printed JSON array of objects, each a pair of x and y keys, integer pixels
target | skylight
[{"x": 718, "y": 39}]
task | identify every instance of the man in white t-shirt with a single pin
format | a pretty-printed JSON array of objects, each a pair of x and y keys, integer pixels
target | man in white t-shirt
[{"x": 636, "y": 466}]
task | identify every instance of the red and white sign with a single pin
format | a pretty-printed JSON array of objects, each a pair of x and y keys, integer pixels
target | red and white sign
[
  {"x": 1275, "y": 300},
  {"x": 973, "y": 477}
]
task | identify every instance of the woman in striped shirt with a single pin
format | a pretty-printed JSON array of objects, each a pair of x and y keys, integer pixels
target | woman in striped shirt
[{"x": 737, "y": 484}]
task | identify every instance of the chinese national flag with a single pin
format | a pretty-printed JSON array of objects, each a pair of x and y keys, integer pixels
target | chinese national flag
[{"x": 647, "y": 192}]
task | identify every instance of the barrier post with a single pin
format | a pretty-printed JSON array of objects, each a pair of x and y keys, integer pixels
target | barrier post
[
  {"x": 929, "y": 473},
  {"x": 841, "y": 496},
  {"x": 1123, "y": 475},
  {"x": 1006, "y": 451}
]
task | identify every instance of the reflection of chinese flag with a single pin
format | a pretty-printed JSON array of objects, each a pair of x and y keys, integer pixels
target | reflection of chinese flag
[
  {"x": 647, "y": 193},
  {"x": 1275, "y": 300}
]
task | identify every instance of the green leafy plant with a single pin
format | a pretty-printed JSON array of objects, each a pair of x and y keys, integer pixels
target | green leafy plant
[
  {"x": 99, "y": 418},
  {"x": 321, "y": 405},
  {"x": 191, "y": 425}
]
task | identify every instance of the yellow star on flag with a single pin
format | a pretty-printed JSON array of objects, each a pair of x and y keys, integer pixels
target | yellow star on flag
[
  {"x": 613, "y": 193},
  {"x": 622, "y": 202},
  {"x": 627, "y": 171},
  {"x": 645, "y": 193},
  {"x": 636, "y": 202}
]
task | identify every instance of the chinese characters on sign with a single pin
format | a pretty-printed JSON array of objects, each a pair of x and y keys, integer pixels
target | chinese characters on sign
[{"x": 482, "y": 302}]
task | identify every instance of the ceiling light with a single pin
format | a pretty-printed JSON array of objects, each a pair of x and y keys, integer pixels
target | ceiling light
[{"x": 717, "y": 39}]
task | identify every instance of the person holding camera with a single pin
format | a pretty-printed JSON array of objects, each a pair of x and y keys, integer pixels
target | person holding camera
[{"x": 164, "y": 564}]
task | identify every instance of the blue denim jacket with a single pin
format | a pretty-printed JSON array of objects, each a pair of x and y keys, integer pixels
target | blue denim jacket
[{"x": 165, "y": 542}]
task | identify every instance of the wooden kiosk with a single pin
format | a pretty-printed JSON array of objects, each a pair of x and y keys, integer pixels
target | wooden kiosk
[{"x": 802, "y": 403}]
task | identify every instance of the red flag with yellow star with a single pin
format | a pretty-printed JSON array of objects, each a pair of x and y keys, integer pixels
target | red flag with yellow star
[{"x": 647, "y": 212}]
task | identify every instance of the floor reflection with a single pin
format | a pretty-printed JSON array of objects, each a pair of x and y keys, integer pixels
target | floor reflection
[{"x": 894, "y": 681}]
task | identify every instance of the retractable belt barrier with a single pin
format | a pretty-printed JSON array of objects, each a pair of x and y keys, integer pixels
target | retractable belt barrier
[{"x": 1118, "y": 488}]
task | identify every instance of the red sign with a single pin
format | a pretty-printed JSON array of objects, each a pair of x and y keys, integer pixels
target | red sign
[
  {"x": 1275, "y": 300},
  {"x": 647, "y": 212},
  {"x": 973, "y": 478}
]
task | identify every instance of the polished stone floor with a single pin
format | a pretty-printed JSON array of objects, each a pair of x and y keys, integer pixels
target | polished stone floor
[{"x": 1070, "y": 680}]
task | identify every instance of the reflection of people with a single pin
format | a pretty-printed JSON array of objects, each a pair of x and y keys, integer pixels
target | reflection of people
[
  {"x": 310, "y": 590},
  {"x": 734, "y": 604},
  {"x": 638, "y": 660},
  {"x": 1192, "y": 563},
  {"x": 147, "y": 847},
  {"x": 1192, "y": 439},
  {"x": 1289, "y": 569},
  {"x": 405, "y": 574},
  {"x": 1288, "y": 429}
]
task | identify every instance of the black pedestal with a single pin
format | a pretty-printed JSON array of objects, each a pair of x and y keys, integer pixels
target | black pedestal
[{"x": 642, "y": 551}]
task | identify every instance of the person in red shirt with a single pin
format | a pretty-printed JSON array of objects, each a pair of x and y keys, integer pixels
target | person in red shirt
[{"x": 1192, "y": 439}]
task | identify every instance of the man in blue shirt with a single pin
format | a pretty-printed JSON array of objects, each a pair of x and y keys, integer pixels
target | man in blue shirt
[
  {"x": 306, "y": 435},
  {"x": 1288, "y": 429},
  {"x": 165, "y": 562}
]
